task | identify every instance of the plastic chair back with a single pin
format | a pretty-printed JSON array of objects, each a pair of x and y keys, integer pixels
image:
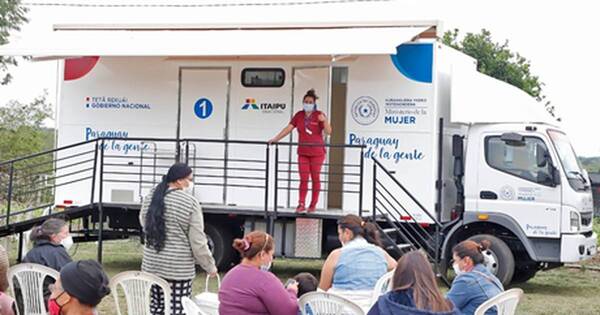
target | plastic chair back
[
  {"x": 30, "y": 278},
  {"x": 137, "y": 288},
  {"x": 323, "y": 303},
  {"x": 506, "y": 303}
]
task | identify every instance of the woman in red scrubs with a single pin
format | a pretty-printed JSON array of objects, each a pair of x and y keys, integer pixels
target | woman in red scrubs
[{"x": 310, "y": 123}]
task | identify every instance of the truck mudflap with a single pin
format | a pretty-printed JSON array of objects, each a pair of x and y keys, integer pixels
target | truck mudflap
[{"x": 577, "y": 247}]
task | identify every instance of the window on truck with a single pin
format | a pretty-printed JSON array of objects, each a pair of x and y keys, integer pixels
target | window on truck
[
  {"x": 263, "y": 77},
  {"x": 569, "y": 161},
  {"x": 518, "y": 160}
]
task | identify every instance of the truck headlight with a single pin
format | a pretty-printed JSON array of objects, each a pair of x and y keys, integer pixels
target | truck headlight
[{"x": 574, "y": 219}]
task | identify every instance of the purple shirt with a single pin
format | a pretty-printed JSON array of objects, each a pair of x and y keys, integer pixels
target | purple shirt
[{"x": 248, "y": 290}]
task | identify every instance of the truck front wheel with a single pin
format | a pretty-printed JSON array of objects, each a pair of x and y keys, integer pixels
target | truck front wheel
[
  {"x": 219, "y": 241},
  {"x": 499, "y": 259}
]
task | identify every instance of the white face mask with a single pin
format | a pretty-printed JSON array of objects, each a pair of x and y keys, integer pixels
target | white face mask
[
  {"x": 456, "y": 268},
  {"x": 189, "y": 189},
  {"x": 266, "y": 267},
  {"x": 67, "y": 242},
  {"x": 308, "y": 107}
]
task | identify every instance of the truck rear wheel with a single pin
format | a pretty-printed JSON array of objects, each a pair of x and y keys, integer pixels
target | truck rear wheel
[
  {"x": 220, "y": 239},
  {"x": 500, "y": 259}
]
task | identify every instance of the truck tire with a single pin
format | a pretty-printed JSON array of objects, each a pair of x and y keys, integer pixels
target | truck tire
[
  {"x": 220, "y": 239},
  {"x": 503, "y": 260}
]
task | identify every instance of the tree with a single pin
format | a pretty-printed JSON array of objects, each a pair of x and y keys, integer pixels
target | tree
[
  {"x": 22, "y": 130},
  {"x": 498, "y": 61},
  {"x": 12, "y": 15}
]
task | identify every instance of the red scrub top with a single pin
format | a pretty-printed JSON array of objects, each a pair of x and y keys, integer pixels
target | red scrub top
[{"x": 310, "y": 130}]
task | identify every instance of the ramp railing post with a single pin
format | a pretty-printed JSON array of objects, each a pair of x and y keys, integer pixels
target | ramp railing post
[
  {"x": 100, "y": 206},
  {"x": 360, "y": 187},
  {"x": 267, "y": 160},
  {"x": 20, "y": 253},
  {"x": 10, "y": 192},
  {"x": 374, "y": 214}
]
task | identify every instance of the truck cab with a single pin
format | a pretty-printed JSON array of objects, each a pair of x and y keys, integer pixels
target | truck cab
[{"x": 524, "y": 187}]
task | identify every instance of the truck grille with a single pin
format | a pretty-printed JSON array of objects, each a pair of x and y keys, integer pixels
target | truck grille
[{"x": 586, "y": 219}]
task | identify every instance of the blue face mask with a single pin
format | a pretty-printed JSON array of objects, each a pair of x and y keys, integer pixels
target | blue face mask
[{"x": 309, "y": 107}]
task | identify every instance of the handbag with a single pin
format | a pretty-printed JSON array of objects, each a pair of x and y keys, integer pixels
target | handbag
[{"x": 208, "y": 301}]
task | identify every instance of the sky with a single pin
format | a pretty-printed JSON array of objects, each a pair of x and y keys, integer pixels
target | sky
[{"x": 557, "y": 36}]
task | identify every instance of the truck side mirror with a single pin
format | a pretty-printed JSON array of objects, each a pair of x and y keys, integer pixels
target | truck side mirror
[
  {"x": 541, "y": 155},
  {"x": 513, "y": 139}
]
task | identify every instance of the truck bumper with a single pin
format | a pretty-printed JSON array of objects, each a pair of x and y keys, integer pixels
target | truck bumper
[{"x": 577, "y": 247}]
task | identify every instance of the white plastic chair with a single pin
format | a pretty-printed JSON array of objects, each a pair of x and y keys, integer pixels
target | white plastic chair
[
  {"x": 323, "y": 303},
  {"x": 136, "y": 286},
  {"x": 190, "y": 308},
  {"x": 382, "y": 286},
  {"x": 505, "y": 303},
  {"x": 30, "y": 278}
]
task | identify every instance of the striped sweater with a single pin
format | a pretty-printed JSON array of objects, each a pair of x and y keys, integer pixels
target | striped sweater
[{"x": 185, "y": 242}]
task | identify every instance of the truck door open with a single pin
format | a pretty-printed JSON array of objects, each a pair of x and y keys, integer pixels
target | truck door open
[
  {"x": 203, "y": 107},
  {"x": 304, "y": 79}
]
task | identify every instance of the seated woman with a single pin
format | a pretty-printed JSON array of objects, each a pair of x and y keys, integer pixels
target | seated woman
[
  {"x": 353, "y": 270},
  {"x": 7, "y": 303},
  {"x": 414, "y": 290},
  {"x": 51, "y": 240},
  {"x": 249, "y": 288},
  {"x": 474, "y": 283}
]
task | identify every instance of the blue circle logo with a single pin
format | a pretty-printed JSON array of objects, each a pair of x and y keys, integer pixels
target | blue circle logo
[
  {"x": 203, "y": 108},
  {"x": 365, "y": 110}
]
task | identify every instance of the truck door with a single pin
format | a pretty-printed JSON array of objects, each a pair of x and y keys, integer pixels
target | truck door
[
  {"x": 304, "y": 79},
  {"x": 204, "y": 102},
  {"x": 513, "y": 180}
]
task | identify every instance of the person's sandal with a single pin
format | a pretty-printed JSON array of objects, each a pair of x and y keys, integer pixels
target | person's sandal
[
  {"x": 300, "y": 208},
  {"x": 311, "y": 209}
]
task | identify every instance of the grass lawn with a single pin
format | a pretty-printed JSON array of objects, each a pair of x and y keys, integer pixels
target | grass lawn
[{"x": 558, "y": 291}]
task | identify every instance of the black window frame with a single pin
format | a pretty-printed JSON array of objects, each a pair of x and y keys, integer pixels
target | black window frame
[
  {"x": 486, "y": 150},
  {"x": 262, "y": 69}
]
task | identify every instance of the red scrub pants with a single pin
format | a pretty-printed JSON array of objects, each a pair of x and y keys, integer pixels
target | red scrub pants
[{"x": 310, "y": 166}]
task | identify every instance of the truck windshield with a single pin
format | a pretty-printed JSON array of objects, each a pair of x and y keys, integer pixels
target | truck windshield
[{"x": 569, "y": 161}]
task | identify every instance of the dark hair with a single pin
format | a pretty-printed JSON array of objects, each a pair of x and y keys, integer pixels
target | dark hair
[
  {"x": 154, "y": 227},
  {"x": 45, "y": 231},
  {"x": 311, "y": 93},
  {"x": 414, "y": 272},
  {"x": 359, "y": 227},
  {"x": 254, "y": 243},
  {"x": 472, "y": 250},
  {"x": 306, "y": 283}
]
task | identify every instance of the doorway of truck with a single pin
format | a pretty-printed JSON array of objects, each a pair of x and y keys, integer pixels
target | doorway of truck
[
  {"x": 304, "y": 79},
  {"x": 203, "y": 113},
  {"x": 339, "y": 87}
]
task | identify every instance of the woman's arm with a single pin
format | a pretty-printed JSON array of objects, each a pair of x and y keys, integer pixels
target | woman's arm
[
  {"x": 277, "y": 299},
  {"x": 390, "y": 261},
  {"x": 199, "y": 242},
  {"x": 328, "y": 269},
  {"x": 326, "y": 125},
  {"x": 284, "y": 132}
]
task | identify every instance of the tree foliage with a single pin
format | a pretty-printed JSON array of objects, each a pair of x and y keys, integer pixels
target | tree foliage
[
  {"x": 22, "y": 130},
  {"x": 498, "y": 61},
  {"x": 12, "y": 15}
]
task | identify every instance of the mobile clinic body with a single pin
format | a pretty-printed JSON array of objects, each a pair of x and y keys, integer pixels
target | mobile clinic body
[{"x": 474, "y": 152}]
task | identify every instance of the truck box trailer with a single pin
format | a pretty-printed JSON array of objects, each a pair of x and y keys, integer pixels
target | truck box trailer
[{"x": 422, "y": 143}]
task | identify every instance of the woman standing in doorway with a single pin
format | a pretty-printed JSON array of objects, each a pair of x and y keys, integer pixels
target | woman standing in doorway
[{"x": 310, "y": 123}]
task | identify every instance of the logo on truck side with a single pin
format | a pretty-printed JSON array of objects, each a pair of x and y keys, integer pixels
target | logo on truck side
[
  {"x": 265, "y": 108},
  {"x": 365, "y": 110}
]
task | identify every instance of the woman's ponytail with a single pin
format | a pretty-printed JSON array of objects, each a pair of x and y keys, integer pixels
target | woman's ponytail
[
  {"x": 155, "y": 231},
  {"x": 371, "y": 233}
]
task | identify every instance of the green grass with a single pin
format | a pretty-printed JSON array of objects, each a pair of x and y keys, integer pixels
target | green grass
[{"x": 558, "y": 291}]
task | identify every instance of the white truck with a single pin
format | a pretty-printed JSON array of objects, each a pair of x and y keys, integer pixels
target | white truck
[{"x": 422, "y": 143}]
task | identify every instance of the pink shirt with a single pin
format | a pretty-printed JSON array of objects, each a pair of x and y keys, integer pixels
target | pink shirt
[
  {"x": 6, "y": 304},
  {"x": 248, "y": 290}
]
